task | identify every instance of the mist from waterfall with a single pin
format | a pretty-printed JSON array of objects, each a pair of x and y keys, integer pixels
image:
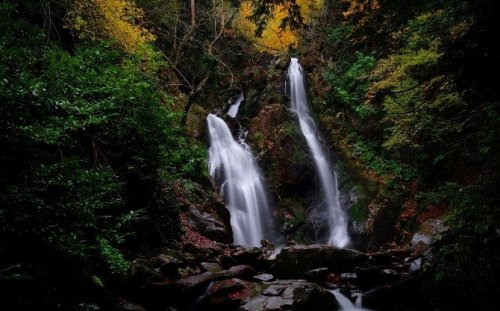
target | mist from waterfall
[
  {"x": 242, "y": 187},
  {"x": 337, "y": 220}
]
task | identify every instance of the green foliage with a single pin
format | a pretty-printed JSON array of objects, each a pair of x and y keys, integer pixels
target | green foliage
[
  {"x": 89, "y": 147},
  {"x": 469, "y": 254},
  {"x": 350, "y": 83},
  {"x": 382, "y": 165},
  {"x": 425, "y": 112},
  {"x": 113, "y": 258}
]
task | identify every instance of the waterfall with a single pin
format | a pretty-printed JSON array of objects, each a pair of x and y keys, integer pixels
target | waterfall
[
  {"x": 233, "y": 109},
  {"x": 243, "y": 189},
  {"x": 345, "y": 304},
  {"x": 337, "y": 220}
]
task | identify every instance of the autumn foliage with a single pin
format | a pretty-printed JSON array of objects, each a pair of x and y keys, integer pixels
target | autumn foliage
[
  {"x": 274, "y": 38},
  {"x": 118, "y": 20}
]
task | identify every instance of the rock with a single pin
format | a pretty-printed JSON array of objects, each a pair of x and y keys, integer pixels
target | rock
[
  {"x": 127, "y": 306},
  {"x": 383, "y": 258},
  {"x": 252, "y": 256},
  {"x": 373, "y": 276},
  {"x": 167, "y": 265},
  {"x": 211, "y": 266},
  {"x": 295, "y": 261},
  {"x": 195, "y": 282},
  {"x": 227, "y": 294},
  {"x": 429, "y": 231},
  {"x": 143, "y": 273},
  {"x": 243, "y": 271},
  {"x": 208, "y": 224},
  {"x": 264, "y": 277},
  {"x": 290, "y": 295},
  {"x": 317, "y": 274},
  {"x": 402, "y": 295}
]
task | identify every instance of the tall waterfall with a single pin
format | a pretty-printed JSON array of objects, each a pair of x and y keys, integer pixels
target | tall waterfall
[
  {"x": 232, "y": 165},
  {"x": 337, "y": 220}
]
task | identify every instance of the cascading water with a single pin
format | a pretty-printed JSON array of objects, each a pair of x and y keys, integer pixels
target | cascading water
[
  {"x": 337, "y": 220},
  {"x": 232, "y": 165},
  {"x": 233, "y": 109},
  {"x": 345, "y": 304}
]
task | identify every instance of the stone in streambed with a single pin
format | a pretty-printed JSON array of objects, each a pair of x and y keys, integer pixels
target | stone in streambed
[
  {"x": 211, "y": 266},
  {"x": 127, "y": 306},
  {"x": 372, "y": 276},
  {"x": 298, "y": 295},
  {"x": 228, "y": 294},
  {"x": 317, "y": 274},
  {"x": 264, "y": 277},
  {"x": 402, "y": 295},
  {"x": 295, "y": 261}
]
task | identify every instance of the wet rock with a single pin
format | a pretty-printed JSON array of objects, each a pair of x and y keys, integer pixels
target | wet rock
[
  {"x": 127, "y": 306},
  {"x": 384, "y": 258},
  {"x": 429, "y": 231},
  {"x": 227, "y": 294},
  {"x": 252, "y": 256},
  {"x": 372, "y": 276},
  {"x": 208, "y": 224},
  {"x": 348, "y": 277},
  {"x": 195, "y": 282},
  {"x": 290, "y": 295},
  {"x": 264, "y": 277},
  {"x": 317, "y": 274},
  {"x": 295, "y": 261},
  {"x": 402, "y": 295},
  {"x": 211, "y": 266},
  {"x": 243, "y": 271}
]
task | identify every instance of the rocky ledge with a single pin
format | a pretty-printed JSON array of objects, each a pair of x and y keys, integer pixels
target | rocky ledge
[{"x": 298, "y": 277}]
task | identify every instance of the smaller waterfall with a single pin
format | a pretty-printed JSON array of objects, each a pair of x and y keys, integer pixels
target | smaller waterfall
[
  {"x": 233, "y": 109},
  {"x": 232, "y": 165},
  {"x": 337, "y": 220},
  {"x": 345, "y": 304}
]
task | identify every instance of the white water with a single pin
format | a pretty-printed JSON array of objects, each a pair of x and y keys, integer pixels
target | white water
[
  {"x": 233, "y": 109},
  {"x": 337, "y": 220},
  {"x": 345, "y": 303},
  {"x": 241, "y": 185}
]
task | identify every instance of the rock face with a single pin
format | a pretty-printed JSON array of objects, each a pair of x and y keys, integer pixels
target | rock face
[
  {"x": 296, "y": 261},
  {"x": 428, "y": 232}
]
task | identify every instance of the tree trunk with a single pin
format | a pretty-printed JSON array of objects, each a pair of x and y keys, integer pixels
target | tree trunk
[{"x": 193, "y": 13}]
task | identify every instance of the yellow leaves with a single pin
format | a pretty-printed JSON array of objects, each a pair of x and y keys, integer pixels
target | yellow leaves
[
  {"x": 118, "y": 20},
  {"x": 274, "y": 39},
  {"x": 361, "y": 6},
  {"x": 361, "y": 9}
]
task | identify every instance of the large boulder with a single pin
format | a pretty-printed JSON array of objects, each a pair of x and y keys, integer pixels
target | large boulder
[
  {"x": 297, "y": 260},
  {"x": 228, "y": 294},
  {"x": 428, "y": 232}
]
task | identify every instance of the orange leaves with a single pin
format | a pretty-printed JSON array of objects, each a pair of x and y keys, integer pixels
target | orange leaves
[
  {"x": 275, "y": 39},
  {"x": 118, "y": 20}
]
